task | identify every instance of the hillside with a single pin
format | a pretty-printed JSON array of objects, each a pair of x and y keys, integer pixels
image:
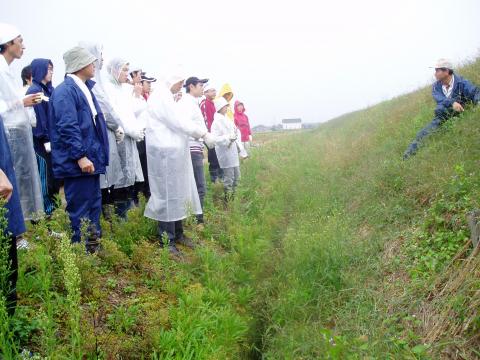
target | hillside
[{"x": 334, "y": 248}]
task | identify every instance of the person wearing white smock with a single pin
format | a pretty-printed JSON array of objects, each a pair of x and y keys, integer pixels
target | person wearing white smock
[
  {"x": 227, "y": 146},
  {"x": 115, "y": 132},
  {"x": 124, "y": 105},
  {"x": 190, "y": 109},
  {"x": 13, "y": 111},
  {"x": 174, "y": 194}
]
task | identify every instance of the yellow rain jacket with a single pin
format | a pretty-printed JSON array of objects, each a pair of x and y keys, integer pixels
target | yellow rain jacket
[{"x": 227, "y": 93}]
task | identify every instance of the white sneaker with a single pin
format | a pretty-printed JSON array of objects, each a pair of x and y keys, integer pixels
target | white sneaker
[
  {"x": 57, "y": 235},
  {"x": 22, "y": 244}
]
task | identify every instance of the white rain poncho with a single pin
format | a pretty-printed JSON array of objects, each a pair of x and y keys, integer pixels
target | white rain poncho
[
  {"x": 173, "y": 190},
  {"x": 20, "y": 139},
  {"x": 124, "y": 106},
  {"x": 227, "y": 151},
  {"x": 113, "y": 174},
  {"x": 190, "y": 109}
]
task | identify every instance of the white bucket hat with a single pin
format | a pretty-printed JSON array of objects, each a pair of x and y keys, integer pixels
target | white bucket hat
[
  {"x": 220, "y": 103},
  {"x": 76, "y": 59},
  {"x": 8, "y": 33}
]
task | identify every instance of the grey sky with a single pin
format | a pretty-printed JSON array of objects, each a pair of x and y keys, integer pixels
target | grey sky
[{"x": 309, "y": 59}]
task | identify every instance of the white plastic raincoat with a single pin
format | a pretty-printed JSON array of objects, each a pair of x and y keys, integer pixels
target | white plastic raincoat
[
  {"x": 20, "y": 139},
  {"x": 227, "y": 151},
  {"x": 113, "y": 174},
  {"x": 172, "y": 184},
  {"x": 189, "y": 108},
  {"x": 124, "y": 106}
]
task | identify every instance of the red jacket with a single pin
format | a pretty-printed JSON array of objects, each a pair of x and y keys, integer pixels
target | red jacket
[
  {"x": 208, "y": 110},
  {"x": 241, "y": 120}
]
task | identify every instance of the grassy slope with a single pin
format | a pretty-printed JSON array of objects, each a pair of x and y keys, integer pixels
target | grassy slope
[
  {"x": 333, "y": 248},
  {"x": 353, "y": 198}
]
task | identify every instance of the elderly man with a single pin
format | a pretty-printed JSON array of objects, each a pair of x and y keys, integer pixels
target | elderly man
[
  {"x": 451, "y": 93},
  {"x": 78, "y": 135}
]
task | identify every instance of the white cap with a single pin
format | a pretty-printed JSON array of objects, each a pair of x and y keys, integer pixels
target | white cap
[
  {"x": 209, "y": 86},
  {"x": 443, "y": 63},
  {"x": 8, "y": 33},
  {"x": 134, "y": 68},
  {"x": 220, "y": 103}
]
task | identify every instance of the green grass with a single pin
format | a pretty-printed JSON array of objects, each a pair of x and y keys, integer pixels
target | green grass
[{"x": 334, "y": 248}]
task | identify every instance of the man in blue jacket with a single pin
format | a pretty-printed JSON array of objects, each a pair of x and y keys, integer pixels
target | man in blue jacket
[
  {"x": 78, "y": 135},
  {"x": 15, "y": 225},
  {"x": 42, "y": 71},
  {"x": 451, "y": 93}
]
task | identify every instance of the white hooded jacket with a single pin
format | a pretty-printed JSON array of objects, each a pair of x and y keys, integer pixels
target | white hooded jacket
[
  {"x": 122, "y": 103},
  {"x": 113, "y": 174},
  {"x": 227, "y": 150}
]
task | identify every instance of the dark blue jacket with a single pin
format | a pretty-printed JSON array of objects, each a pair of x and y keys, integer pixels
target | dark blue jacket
[
  {"x": 40, "y": 131},
  {"x": 15, "y": 222},
  {"x": 463, "y": 92},
  {"x": 73, "y": 133}
]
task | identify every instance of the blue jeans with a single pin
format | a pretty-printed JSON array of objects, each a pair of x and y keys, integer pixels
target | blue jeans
[{"x": 441, "y": 115}]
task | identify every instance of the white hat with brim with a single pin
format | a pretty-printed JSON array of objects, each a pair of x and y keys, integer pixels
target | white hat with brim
[
  {"x": 443, "y": 64},
  {"x": 8, "y": 33},
  {"x": 220, "y": 103},
  {"x": 76, "y": 59},
  {"x": 209, "y": 86}
]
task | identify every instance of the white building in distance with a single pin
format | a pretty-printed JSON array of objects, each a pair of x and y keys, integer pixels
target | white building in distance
[{"x": 292, "y": 124}]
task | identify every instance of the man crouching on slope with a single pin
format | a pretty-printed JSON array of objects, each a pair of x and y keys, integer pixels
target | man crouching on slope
[{"x": 452, "y": 93}]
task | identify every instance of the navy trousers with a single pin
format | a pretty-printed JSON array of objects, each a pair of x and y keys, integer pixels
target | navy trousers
[
  {"x": 173, "y": 229},
  {"x": 84, "y": 202},
  {"x": 441, "y": 115}
]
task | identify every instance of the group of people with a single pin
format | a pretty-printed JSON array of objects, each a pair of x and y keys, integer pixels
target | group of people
[{"x": 106, "y": 139}]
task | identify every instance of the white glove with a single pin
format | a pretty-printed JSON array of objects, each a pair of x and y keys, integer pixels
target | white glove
[
  {"x": 119, "y": 134},
  {"x": 233, "y": 137},
  {"x": 141, "y": 135},
  {"x": 250, "y": 138},
  {"x": 48, "y": 147},
  {"x": 209, "y": 140}
]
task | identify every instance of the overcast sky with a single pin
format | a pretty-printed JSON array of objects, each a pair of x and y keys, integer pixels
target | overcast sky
[{"x": 304, "y": 58}]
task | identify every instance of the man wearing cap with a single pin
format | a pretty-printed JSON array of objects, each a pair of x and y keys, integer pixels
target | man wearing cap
[
  {"x": 207, "y": 107},
  {"x": 190, "y": 109},
  {"x": 78, "y": 135},
  {"x": 451, "y": 92},
  {"x": 17, "y": 122},
  {"x": 147, "y": 85}
]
